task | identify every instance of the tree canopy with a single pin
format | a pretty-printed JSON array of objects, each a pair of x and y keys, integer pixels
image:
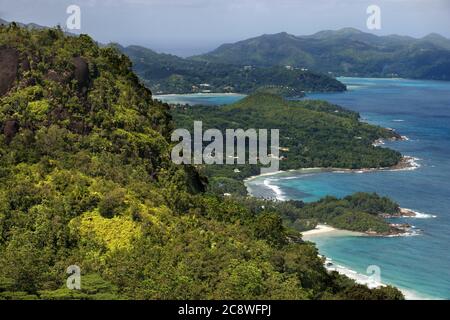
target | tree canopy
[{"x": 86, "y": 180}]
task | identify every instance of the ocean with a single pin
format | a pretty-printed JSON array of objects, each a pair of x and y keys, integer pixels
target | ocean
[
  {"x": 419, "y": 110},
  {"x": 205, "y": 99}
]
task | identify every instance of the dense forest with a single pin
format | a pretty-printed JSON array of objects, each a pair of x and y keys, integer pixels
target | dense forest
[
  {"x": 86, "y": 179},
  {"x": 361, "y": 212},
  {"x": 345, "y": 52},
  {"x": 164, "y": 73},
  {"x": 312, "y": 133}
]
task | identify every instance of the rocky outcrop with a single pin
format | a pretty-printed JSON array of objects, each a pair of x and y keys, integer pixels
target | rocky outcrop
[
  {"x": 9, "y": 64},
  {"x": 10, "y": 128},
  {"x": 81, "y": 73}
]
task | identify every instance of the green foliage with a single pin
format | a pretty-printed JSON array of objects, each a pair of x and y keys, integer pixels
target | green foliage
[
  {"x": 360, "y": 292},
  {"x": 315, "y": 133},
  {"x": 165, "y": 73},
  {"x": 358, "y": 212},
  {"x": 222, "y": 185},
  {"x": 269, "y": 226},
  {"x": 93, "y": 287},
  {"x": 244, "y": 280},
  {"x": 372, "y": 203},
  {"x": 360, "y": 221},
  {"x": 312, "y": 134},
  {"x": 348, "y": 52},
  {"x": 107, "y": 233},
  {"x": 112, "y": 203},
  {"x": 86, "y": 179}
]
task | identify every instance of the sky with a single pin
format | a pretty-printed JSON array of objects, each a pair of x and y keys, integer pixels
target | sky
[{"x": 188, "y": 27}]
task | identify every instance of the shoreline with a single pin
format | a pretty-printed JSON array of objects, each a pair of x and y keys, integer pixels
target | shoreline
[
  {"x": 406, "y": 164},
  {"x": 198, "y": 94},
  {"x": 322, "y": 229},
  {"x": 360, "y": 278},
  {"x": 398, "y": 229}
]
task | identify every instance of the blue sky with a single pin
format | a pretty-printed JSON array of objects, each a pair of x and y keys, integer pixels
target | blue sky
[{"x": 188, "y": 27}]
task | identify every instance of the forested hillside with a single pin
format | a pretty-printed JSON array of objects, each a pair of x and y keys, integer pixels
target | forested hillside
[
  {"x": 86, "y": 179},
  {"x": 361, "y": 212},
  {"x": 312, "y": 133},
  {"x": 165, "y": 73},
  {"x": 347, "y": 52}
]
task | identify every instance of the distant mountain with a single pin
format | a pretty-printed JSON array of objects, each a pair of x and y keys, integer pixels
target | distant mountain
[
  {"x": 24, "y": 25},
  {"x": 438, "y": 40},
  {"x": 343, "y": 52},
  {"x": 165, "y": 73}
]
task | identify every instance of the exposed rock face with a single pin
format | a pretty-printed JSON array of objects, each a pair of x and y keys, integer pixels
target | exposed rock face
[
  {"x": 9, "y": 63},
  {"x": 10, "y": 129},
  {"x": 196, "y": 182},
  {"x": 81, "y": 73}
]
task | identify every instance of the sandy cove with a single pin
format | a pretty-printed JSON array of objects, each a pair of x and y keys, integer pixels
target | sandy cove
[
  {"x": 330, "y": 265},
  {"x": 326, "y": 229},
  {"x": 407, "y": 163}
]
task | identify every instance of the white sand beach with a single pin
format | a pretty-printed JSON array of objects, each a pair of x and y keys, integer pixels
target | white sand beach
[
  {"x": 364, "y": 279},
  {"x": 323, "y": 229},
  {"x": 320, "y": 229}
]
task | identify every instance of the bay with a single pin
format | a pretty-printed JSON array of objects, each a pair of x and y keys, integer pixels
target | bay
[{"x": 420, "y": 110}]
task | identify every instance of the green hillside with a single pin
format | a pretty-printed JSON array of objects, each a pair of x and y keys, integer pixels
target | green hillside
[
  {"x": 165, "y": 73},
  {"x": 312, "y": 133},
  {"x": 348, "y": 52},
  {"x": 86, "y": 180}
]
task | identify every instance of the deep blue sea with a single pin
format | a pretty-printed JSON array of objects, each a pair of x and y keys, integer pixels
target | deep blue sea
[{"x": 419, "y": 110}]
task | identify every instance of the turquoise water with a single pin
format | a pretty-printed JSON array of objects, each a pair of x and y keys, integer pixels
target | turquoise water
[
  {"x": 205, "y": 99},
  {"x": 419, "y": 110}
]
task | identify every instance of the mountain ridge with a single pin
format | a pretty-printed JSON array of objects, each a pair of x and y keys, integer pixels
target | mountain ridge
[
  {"x": 342, "y": 31},
  {"x": 347, "y": 51},
  {"x": 165, "y": 73}
]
